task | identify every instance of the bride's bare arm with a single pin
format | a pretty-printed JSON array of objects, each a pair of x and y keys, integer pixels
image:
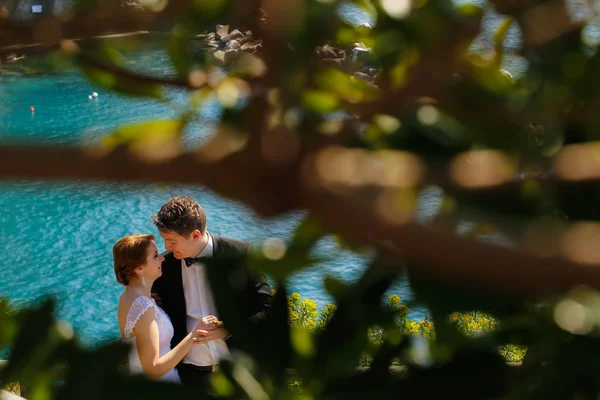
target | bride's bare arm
[{"x": 147, "y": 341}]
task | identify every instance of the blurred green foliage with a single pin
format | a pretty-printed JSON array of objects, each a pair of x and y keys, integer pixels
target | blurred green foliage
[
  {"x": 304, "y": 313},
  {"x": 373, "y": 115}
]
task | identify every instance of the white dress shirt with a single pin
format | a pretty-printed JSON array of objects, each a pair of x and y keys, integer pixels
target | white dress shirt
[{"x": 199, "y": 303}]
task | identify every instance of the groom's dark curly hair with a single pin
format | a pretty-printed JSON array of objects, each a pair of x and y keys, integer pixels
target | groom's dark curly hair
[{"x": 182, "y": 215}]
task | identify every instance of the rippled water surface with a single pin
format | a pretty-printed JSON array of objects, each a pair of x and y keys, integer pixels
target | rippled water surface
[{"x": 57, "y": 237}]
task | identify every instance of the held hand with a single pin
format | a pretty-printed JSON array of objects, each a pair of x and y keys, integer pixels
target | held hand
[
  {"x": 203, "y": 336},
  {"x": 199, "y": 336},
  {"x": 209, "y": 323}
]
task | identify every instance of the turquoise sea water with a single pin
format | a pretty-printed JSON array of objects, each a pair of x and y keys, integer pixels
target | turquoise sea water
[{"x": 57, "y": 236}]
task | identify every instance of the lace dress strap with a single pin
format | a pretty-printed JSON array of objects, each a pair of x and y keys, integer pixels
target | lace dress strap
[{"x": 139, "y": 306}]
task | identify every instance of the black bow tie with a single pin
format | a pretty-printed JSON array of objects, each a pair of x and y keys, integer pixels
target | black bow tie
[{"x": 190, "y": 261}]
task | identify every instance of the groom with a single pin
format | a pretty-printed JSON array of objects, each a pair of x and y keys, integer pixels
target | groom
[{"x": 185, "y": 291}]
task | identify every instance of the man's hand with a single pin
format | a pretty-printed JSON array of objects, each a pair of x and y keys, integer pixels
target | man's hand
[
  {"x": 203, "y": 336},
  {"x": 209, "y": 323}
]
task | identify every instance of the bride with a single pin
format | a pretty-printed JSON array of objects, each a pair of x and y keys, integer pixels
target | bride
[{"x": 142, "y": 322}]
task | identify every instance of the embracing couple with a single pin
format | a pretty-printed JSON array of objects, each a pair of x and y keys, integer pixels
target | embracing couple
[{"x": 167, "y": 310}]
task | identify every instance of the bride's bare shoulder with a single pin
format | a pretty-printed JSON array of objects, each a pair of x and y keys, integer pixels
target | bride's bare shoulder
[{"x": 125, "y": 301}]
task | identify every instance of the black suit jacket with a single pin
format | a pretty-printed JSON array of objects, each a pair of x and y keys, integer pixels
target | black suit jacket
[{"x": 230, "y": 256}]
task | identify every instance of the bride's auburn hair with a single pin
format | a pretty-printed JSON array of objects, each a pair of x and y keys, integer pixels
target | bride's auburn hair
[{"x": 129, "y": 253}]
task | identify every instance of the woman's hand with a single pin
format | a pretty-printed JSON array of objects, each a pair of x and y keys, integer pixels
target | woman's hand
[
  {"x": 203, "y": 336},
  {"x": 200, "y": 336}
]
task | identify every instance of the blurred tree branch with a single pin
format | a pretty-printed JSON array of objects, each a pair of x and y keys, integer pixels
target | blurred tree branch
[{"x": 356, "y": 214}]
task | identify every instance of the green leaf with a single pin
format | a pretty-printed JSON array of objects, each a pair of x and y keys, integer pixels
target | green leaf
[
  {"x": 302, "y": 341},
  {"x": 145, "y": 133},
  {"x": 360, "y": 307},
  {"x": 336, "y": 287},
  {"x": 383, "y": 357},
  {"x": 266, "y": 341},
  {"x": 178, "y": 46},
  {"x": 107, "y": 363},
  {"x": 8, "y": 324},
  {"x": 109, "y": 55},
  {"x": 293, "y": 258},
  {"x": 152, "y": 141},
  {"x": 308, "y": 233},
  {"x": 278, "y": 348},
  {"x": 40, "y": 352},
  {"x": 469, "y": 9},
  {"x": 121, "y": 82},
  {"x": 319, "y": 101},
  {"x": 366, "y": 5},
  {"x": 221, "y": 385},
  {"x": 209, "y": 8},
  {"x": 499, "y": 37},
  {"x": 345, "y": 86},
  {"x": 444, "y": 298},
  {"x": 293, "y": 261}
]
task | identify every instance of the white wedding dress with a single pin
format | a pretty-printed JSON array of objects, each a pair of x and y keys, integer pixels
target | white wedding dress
[{"x": 165, "y": 334}]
